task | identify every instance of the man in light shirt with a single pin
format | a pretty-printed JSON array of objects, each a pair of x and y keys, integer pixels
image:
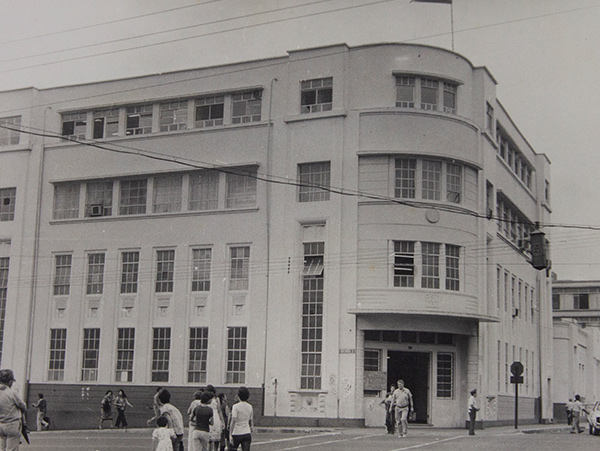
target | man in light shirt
[
  {"x": 577, "y": 408},
  {"x": 402, "y": 401},
  {"x": 473, "y": 409}
]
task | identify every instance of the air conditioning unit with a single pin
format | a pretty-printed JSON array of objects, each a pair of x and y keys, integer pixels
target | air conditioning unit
[{"x": 96, "y": 209}]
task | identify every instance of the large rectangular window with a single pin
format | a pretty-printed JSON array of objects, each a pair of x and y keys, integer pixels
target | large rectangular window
[
  {"x": 66, "y": 201},
  {"x": 429, "y": 94},
  {"x": 125, "y": 348},
  {"x": 430, "y": 254},
  {"x": 236, "y": 355},
  {"x": 130, "y": 266},
  {"x": 372, "y": 360},
  {"x": 453, "y": 183},
  {"x": 201, "y": 262},
  {"x": 316, "y": 95},
  {"x": 165, "y": 271},
  {"x": 139, "y": 120},
  {"x": 167, "y": 194},
  {"x": 62, "y": 274},
  {"x": 246, "y": 107},
  {"x": 432, "y": 179},
  {"x": 210, "y": 111},
  {"x": 581, "y": 301},
  {"x": 74, "y": 125},
  {"x": 173, "y": 115},
  {"x": 58, "y": 348},
  {"x": 91, "y": 355},
  {"x": 239, "y": 269},
  {"x": 449, "y": 98},
  {"x": 4, "y": 264},
  {"x": 405, "y": 178},
  {"x": 445, "y": 375},
  {"x": 106, "y": 123},
  {"x": 241, "y": 189},
  {"x": 312, "y": 315},
  {"x": 7, "y": 204},
  {"x": 204, "y": 191},
  {"x": 10, "y": 136},
  {"x": 161, "y": 352},
  {"x": 314, "y": 179},
  {"x": 405, "y": 92},
  {"x": 98, "y": 198},
  {"x": 95, "y": 278},
  {"x": 198, "y": 354},
  {"x": 452, "y": 267},
  {"x": 133, "y": 197},
  {"x": 404, "y": 263}
]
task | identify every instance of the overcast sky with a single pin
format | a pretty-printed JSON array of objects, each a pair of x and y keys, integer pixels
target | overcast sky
[{"x": 545, "y": 55}]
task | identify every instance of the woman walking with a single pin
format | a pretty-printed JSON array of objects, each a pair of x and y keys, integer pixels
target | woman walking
[
  {"x": 241, "y": 424},
  {"x": 106, "y": 408},
  {"x": 121, "y": 403}
]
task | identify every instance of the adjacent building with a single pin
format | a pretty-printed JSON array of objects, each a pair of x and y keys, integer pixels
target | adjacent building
[{"x": 314, "y": 226}]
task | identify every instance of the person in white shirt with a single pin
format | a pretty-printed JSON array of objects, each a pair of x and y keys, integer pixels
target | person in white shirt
[
  {"x": 472, "y": 411},
  {"x": 402, "y": 401},
  {"x": 577, "y": 408},
  {"x": 241, "y": 421}
]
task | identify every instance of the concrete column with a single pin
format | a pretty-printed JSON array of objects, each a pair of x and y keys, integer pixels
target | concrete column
[{"x": 360, "y": 372}]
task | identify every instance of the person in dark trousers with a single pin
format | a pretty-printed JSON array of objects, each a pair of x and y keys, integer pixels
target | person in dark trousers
[
  {"x": 577, "y": 409},
  {"x": 106, "y": 409},
  {"x": 242, "y": 422},
  {"x": 569, "y": 409},
  {"x": 41, "y": 406},
  {"x": 121, "y": 403},
  {"x": 473, "y": 409}
]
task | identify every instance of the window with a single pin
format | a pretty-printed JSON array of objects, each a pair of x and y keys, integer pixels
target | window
[
  {"x": 62, "y": 275},
  {"x": 236, "y": 355},
  {"x": 405, "y": 178},
  {"x": 453, "y": 183},
  {"x": 432, "y": 178},
  {"x": 165, "y": 267},
  {"x": 405, "y": 92},
  {"x": 10, "y": 136},
  {"x": 430, "y": 254},
  {"x": 241, "y": 189},
  {"x": 98, "y": 198},
  {"x": 161, "y": 349},
  {"x": 106, "y": 123},
  {"x": 404, "y": 263},
  {"x": 513, "y": 157},
  {"x": 125, "y": 347},
  {"x": 556, "y": 302},
  {"x": 246, "y": 107},
  {"x": 372, "y": 360},
  {"x": 66, "y": 201},
  {"x": 239, "y": 268},
  {"x": 452, "y": 267},
  {"x": 95, "y": 278},
  {"x": 4, "y": 264},
  {"x": 204, "y": 191},
  {"x": 515, "y": 225},
  {"x": 316, "y": 95},
  {"x": 198, "y": 354},
  {"x": 499, "y": 287},
  {"x": 130, "y": 266},
  {"x": 139, "y": 120},
  {"x": 91, "y": 353},
  {"x": 426, "y": 93},
  {"x": 7, "y": 204},
  {"x": 449, "y": 98},
  {"x": 173, "y": 115},
  {"x": 209, "y": 111},
  {"x": 133, "y": 197},
  {"x": 445, "y": 375},
  {"x": 314, "y": 179},
  {"x": 429, "y": 94},
  {"x": 167, "y": 194},
  {"x": 489, "y": 117},
  {"x": 58, "y": 346},
  {"x": 312, "y": 317},
  {"x": 201, "y": 269},
  {"x": 74, "y": 125},
  {"x": 581, "y": 301}
]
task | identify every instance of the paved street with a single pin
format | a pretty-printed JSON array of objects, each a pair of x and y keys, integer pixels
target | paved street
[{"x": 544, "y": 438}]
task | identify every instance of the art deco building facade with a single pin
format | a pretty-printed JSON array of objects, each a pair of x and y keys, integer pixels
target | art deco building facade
[{"x": 314, "y": 226}]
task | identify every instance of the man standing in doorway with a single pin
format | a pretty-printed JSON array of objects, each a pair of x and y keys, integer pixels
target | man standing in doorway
[{"x": 402, "y": 401}]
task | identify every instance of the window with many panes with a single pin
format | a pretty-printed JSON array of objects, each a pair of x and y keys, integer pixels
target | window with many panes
[
  {"x": 173, "y": 115},
  {"x": 62, "y": 274},
  {"x": 432, "y": 179},
  {"x": 372, "y": 360},
  {"x": 130, "y": 267},
  {"x": 405, "y": 175},
  {"x": 198, "y": 354},
  {"x": 161, "y": 353},
  {"x": 239, "y": 267},
  {"x": 210, "y": 111},
  {"x": 246, "y": 107},
  {"x": 66, "y": 201},
  {"x": 316, "y": 95},
  {"x": 201, "y": 261},
  {"x": 58, "y": 348},
  {"x": 426, "y": 93},
  {"x": 428, "y": 179},
  {"x": 429, "y": 94},
  {"x": 4, "y": 264},
  {"x": 139, "y": 119},
  {"x": 236, "y": 355},
  {"x": 165, "y": 269},
  {"x": 204, "y": 191},
  {"x": 133, "y": 193},
  {"x": 405, "y": 92},
  {"x": 314, "y": 180},
  {"x": 241, "y": 189},
  {"x": 445, "y": 375},
  {"x": 74, "y": 125},
  {"x": 98, "y": 198},
  {"x": 91, "y": 354},
  {"x": 581, "y": 301},
  {"x": 430, "y": 256},
  {"x": 453, "y": 183},
  {"x": 10, "y": 135},
  {"x": 404, "y": 263},
  {"x": 125, "y": 349},
  {"x": 449, "y": 98},
  {"x": 95, "y": 277},
  {"x": 312, "y": 315},
  {"x": 167, "y": 194},
  {"x": 452, "y": 267},
  {"x": 7, "y": 204},
  {"x": 106, "y": 123}
]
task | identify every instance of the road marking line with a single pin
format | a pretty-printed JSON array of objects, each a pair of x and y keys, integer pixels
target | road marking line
[
  {"x": 429, "y": 444},
  {"x": 323, "y": 434}
]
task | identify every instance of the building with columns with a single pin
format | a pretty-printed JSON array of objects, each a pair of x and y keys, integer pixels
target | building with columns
[{"x": 314, "y": 226}]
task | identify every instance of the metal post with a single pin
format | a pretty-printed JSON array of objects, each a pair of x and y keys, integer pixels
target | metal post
[{"x": 516, "y": 405}]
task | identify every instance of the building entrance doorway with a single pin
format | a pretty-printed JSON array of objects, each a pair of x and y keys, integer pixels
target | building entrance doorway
[{"x": 413, "y": 369}]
